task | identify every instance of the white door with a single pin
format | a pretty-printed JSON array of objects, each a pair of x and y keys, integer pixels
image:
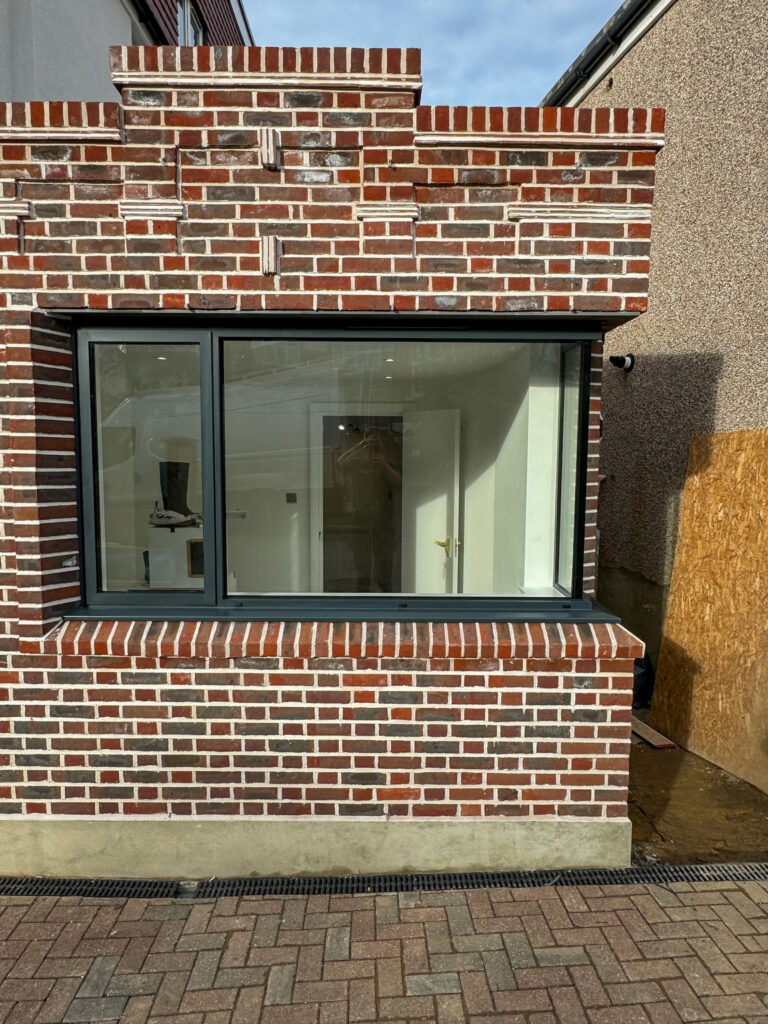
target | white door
[{"x": 431, "y": 501}]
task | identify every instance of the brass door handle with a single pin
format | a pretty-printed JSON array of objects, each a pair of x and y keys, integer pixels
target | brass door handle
[{"x": 446, "y": 545}]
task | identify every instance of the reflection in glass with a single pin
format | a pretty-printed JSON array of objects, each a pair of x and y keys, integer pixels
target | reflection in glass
[
  {"x": 386, "y": 466},
  {"x": 148, "y": 466}
]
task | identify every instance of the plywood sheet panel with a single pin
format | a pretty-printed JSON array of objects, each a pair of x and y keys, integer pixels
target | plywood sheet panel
[{"x": 712, "y": 682}]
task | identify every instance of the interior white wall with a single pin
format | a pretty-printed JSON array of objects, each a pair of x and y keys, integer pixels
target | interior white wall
[
  {"x": 510, "y": 507},
  {"x": 541, "y": 490}
]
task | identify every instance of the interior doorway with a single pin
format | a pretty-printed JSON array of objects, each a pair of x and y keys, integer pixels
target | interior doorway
[
  {"x": 385, "y": 510},
  {"x": 362, "y": 504}
]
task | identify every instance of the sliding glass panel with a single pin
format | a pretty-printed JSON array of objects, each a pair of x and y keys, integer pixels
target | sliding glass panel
[
  {"x": 389, "y": 466},
  {"x": 147, "y": 472}
]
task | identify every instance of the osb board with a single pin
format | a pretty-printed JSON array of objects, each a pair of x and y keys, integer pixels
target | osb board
[{"x": 711, "y": 691}]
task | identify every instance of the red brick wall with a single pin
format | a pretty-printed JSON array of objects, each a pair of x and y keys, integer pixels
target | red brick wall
[
  {"x": 412, "y": 720},
  {"x": 298, "y": 180}
]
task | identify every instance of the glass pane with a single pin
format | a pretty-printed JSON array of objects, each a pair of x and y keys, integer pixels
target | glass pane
[
  {"x": 569, "y": 454},
  {"x": 181, "y": 26},
  {"x": 196, "y": 28},
  {"x": 148, "y": 478},
  {"x": 428, "y": 467}
]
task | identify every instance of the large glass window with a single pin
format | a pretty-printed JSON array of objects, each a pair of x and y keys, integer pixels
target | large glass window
[
  {"x": 225, "y": 470},
  {"x": 148, "y": 467}
]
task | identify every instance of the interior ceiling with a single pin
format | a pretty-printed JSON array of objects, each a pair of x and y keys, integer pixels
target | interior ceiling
[{"x": 253, "y": 360}]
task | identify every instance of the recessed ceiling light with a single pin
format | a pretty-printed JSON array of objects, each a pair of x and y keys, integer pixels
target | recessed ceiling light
[
  {"x": 387, "y": 378},
  {"x": 162, "y": 359},
  {"x": 389, "y": 360},
  {"x": 341, "y": 426}
]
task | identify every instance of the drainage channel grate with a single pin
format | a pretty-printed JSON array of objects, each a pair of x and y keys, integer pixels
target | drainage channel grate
[
  {"x": 350, "y": 884},
  {"x": 114, "y": 888},
  {"x": 117, "y": 888}
]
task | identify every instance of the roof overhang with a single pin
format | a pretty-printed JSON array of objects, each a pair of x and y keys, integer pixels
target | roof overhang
[{"x": 627, "y": 26}]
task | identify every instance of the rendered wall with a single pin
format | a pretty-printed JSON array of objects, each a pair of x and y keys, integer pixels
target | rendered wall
[
  {"x": 36, "y": 34},
  {"x": 702, "y": 359}
]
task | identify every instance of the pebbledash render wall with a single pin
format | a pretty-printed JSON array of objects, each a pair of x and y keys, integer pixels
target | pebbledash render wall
[{"x": 247, "y": 181}]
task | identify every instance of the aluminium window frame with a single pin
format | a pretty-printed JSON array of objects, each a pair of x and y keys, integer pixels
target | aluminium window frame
[
  {"x": 212, "y": 602},
  {"x": 187, "y": 18}
]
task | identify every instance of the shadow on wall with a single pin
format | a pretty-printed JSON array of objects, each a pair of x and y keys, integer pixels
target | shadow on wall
[{"x": 650, "y": 416}]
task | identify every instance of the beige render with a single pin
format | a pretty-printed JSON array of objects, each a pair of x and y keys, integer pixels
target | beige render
[{"x": 702, "y": 351}]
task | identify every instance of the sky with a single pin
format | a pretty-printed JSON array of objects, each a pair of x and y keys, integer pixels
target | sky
[{"x": 484, "y": 52}]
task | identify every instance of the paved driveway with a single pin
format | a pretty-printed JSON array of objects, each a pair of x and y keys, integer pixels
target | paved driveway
[{"x": 590, "y": 955}]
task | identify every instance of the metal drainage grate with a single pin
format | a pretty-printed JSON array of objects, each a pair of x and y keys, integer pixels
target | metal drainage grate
[
  {"x": 116, "y": 888},
  {"x": 106, "y": 888},
  {"x": 350, "y": 884}
]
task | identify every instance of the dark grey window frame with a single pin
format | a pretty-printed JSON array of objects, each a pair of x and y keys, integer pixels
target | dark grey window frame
[{"x": 211, "y": 602}]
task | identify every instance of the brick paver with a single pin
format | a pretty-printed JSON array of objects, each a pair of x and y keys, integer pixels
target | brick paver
[{"x": 623, "y": 954}]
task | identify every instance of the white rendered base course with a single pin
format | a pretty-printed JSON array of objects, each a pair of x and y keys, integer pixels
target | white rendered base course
[{"x": 227, "y": 847}]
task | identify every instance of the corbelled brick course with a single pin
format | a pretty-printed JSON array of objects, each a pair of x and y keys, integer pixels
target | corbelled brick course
[{"x": 306, "y": 179}]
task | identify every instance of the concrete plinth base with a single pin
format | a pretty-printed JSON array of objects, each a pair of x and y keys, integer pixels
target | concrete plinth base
[{"x": 237, "y": 847}]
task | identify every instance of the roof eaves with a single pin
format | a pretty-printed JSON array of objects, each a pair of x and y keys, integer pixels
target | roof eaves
[
  {"x": 238, "y": 9},
  {"x": 619, "y": 34}
]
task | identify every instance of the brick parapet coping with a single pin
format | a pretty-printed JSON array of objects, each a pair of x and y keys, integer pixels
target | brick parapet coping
[{"x": 471, "y": 641}]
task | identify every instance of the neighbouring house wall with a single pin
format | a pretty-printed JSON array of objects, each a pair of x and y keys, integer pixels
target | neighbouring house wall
[
  {"x": 248, "y": 182},
  {"x": 702, "y": 361},
  {"x": 34, "y": 36}
]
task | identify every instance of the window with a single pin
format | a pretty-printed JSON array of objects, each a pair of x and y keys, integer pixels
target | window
[
  {"x": 188, "y": 24},
  {"x": 331, "y": 470}
]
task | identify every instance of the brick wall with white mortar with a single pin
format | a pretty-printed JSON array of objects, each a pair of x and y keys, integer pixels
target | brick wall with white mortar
[{"x": 283, "y": 179}]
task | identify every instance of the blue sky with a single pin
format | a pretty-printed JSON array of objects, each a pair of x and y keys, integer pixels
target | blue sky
[{"x": 496, "y": 52}]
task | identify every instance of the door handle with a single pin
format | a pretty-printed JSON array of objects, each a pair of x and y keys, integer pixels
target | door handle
[{"x": 445, "y": 545}]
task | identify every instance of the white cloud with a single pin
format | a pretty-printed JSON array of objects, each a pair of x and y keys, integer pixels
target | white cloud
[{"x": 496, "y": 52}]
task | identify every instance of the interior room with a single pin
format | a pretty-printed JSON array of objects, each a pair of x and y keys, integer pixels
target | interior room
[{"x": 349, "y": 466}]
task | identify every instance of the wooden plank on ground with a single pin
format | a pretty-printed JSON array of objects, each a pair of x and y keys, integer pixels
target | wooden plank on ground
[
  {"x": 711, "y": 691},
  {"x": 650, "y": 735}
]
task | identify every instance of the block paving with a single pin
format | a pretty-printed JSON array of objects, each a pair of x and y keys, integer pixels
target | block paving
[{"x": 620, "y": 954}]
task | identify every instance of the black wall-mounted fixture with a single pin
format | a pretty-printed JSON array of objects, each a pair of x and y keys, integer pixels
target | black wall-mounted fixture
[{"x": 625, "y": 363}]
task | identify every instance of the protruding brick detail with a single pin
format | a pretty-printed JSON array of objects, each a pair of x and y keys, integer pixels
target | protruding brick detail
[
  {"x": 14, "y": 208},
  {"x": 269, "y": 144},
  {"x": 151, "y": 209},
  {"x": 303, "y": 153},
  {"x": 583, "y": 213},
  {"x": 40, "y": 577},
  {"x": 387, "y": 211},
  {"x": 270, "y": 255}
]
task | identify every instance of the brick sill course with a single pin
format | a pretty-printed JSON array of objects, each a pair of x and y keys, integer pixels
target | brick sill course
[{"x": 367, "y": 640}]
